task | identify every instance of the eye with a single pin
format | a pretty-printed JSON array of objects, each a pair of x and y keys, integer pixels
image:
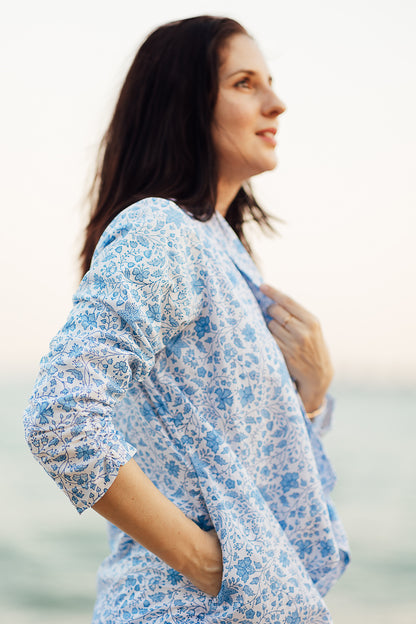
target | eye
[{"x": 245, "y": 83}]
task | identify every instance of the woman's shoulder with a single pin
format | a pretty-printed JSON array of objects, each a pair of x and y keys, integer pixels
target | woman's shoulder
[
  {"x": 154, "y": 210},
  {"x": 152, "y": 218},
  {"x": 150, "y": 229}
]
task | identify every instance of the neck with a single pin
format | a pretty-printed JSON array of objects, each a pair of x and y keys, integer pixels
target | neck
[{"x": 226, "y": 191}]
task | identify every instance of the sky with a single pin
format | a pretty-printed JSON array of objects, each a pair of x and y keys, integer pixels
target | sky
[{"x": 344, "y": 187}]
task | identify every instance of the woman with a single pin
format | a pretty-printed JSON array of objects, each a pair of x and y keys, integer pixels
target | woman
[{"x": 166, "y": 402}]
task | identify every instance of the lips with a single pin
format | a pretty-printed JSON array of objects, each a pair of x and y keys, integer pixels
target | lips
[
  {"x": 271, "y": 131},
  {"x": 268, "y": 134}
]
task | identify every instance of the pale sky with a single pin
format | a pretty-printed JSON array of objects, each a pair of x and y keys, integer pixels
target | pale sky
[{"x": 345, "y": 185}]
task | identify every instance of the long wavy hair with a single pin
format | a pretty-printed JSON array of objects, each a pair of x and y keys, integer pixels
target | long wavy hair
[{"x": 159, "y": 140}]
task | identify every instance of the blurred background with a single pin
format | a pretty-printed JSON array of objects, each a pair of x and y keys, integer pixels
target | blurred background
[{"x": 345, "y": 191}]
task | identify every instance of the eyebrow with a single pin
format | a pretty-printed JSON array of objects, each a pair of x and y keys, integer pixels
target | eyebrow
[{"x": 250, "y": 72}]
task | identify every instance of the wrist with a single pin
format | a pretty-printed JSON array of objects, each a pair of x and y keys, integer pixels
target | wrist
[
  {"x": 318, "y": 411},
  {"x": 314, "y": 396},
  {"x": 204, "y": 567},
  {"x": 312, "y": 400},
  {"x": 191, "y": 552}
]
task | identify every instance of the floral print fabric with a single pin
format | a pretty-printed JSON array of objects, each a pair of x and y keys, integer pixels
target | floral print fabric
[{"x": 166, "y": 357}]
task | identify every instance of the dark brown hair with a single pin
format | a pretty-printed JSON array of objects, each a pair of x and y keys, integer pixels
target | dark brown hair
[{"x": 159, "y": 140}]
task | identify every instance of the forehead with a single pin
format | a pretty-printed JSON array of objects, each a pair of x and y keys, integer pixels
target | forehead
[{"x": 241, "y": 52}]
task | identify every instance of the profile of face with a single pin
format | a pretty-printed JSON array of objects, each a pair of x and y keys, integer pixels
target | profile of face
[{"x": 245, "y": 116}]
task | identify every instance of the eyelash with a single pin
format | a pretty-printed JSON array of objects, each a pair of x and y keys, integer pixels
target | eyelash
[
  {"x": 246, "y": 82},
  {"x": 243, "y": 82}
]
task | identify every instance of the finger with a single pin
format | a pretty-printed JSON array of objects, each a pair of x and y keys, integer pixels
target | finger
[
  {"x": 284, "y": 317},
  {"x": 282, "y": 334},
  {"x": 286, "y": 302}
]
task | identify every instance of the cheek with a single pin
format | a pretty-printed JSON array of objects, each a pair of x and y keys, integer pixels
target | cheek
[
  {"x": 234, "y": 118},
  {"x": 232, "y": 137},
  {"x": 239, "y": 120}
]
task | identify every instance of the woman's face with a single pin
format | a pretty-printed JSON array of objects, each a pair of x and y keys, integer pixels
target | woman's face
[{"x": 245, "y": 115}]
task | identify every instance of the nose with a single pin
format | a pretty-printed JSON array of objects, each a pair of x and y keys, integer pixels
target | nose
[{"x": 273, "y": 105}]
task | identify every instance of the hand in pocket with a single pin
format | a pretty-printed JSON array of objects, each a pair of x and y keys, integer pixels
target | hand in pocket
[{"x": 206, "y": 569}]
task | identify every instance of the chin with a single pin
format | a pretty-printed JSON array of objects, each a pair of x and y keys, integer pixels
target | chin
[
  {"x": 268, "y": 166},
  {"x": 272, "y": 166}
]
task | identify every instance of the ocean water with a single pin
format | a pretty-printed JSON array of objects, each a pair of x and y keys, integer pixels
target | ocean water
[{"x": 49, "y": 554}]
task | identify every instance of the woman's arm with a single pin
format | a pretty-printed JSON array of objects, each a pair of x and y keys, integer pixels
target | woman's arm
[
  {"x": 125, "y": 312},
  {"x": 141, "y": 291},
  {"x": 138, "y": 508}
]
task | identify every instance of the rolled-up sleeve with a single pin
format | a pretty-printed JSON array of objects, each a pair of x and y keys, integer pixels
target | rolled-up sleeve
[{"x": 141, "y": 291}]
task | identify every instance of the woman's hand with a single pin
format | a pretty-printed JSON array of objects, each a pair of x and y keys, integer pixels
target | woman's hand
[
  {"x": 299, "y": 336},
  {"x": 206, "y": 571}
]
